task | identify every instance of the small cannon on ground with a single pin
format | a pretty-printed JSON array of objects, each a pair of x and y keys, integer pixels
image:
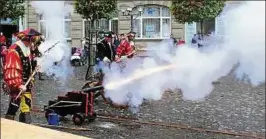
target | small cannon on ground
[{"x": 80, "y": 104}]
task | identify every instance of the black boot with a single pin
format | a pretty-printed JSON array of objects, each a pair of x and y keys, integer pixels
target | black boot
[
  {"x": 40, "y": 76},
  {"x": 10, "y": 117},
  {"x": 12, "y": 109},
  {"x": 25, "y": 117}
]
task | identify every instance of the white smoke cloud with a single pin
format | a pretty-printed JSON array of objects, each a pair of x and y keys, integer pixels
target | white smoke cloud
[
  {"x": 244, "y": 42},
  {"x": 53, "y": 13},
  {"x": 245, "y": 35}
]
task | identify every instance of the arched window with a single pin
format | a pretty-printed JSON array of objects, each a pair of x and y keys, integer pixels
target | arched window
[{"x": 153, "y": 23}]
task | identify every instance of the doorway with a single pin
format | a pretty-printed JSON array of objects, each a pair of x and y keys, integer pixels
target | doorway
[{"x": 8, "y": 30}]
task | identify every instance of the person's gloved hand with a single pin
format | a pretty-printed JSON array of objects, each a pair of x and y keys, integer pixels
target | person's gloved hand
[
  {"x": 23, "y": 88},
  {"x": 123, "y": 57},
  {"x": 106, "y": 60},
  {"x": 117, "y": 59}
]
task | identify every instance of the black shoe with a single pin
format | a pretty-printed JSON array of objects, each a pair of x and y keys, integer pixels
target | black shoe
[
  {"x": 25, "y": 117},
  {"x": 41, "y": 79}
]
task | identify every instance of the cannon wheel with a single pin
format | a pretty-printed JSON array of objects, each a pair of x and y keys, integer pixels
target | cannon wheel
[
  {"x": 78, "y": 119},
  {"x": 107, "y": 101}
]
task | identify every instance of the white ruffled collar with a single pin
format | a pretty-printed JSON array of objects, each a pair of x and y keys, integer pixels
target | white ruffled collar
[{"x": 25, "y": 49}]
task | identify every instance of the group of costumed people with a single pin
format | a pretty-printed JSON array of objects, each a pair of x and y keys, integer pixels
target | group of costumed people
[
  {"x": 107, "y": 53},
  {"x": 20, "y": 62}
]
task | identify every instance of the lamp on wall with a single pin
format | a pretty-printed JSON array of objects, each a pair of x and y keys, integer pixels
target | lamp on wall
[
  {"x": 129, "y": 12},
  {"x": 129, "y": 9},
  {"x": 123, "y": 12},
  {"x": 140, "y": 9}
]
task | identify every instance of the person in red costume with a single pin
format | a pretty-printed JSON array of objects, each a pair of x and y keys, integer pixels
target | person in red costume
[
  {"x": 2, "y": 58},
  {"x": 3, "y": 54},
  {"x": 2, "y": 39},
  {"x": 180, "y": 42},
  {"x": 17, "y": 70},
  {"x": 131, "y": 37},
  {"x": 124, "y": 50}
]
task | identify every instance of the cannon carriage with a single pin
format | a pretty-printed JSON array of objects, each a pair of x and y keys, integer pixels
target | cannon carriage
[{"x": 80, "y": 104}]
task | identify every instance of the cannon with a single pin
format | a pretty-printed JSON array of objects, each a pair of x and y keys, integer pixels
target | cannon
[{"x": 80, "y": 104}]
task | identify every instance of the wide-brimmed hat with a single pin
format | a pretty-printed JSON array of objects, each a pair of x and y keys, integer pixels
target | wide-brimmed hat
[
  {"x": 31, "y": 32},
  {"x": 27, "y": 34},
  {"x": 109, "y": 34}
]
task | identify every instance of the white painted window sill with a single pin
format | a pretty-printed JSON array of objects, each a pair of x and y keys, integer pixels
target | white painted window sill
[{"x": 151, "y": 38}]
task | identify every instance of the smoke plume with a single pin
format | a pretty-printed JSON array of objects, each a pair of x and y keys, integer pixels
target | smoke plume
[
  {"x": 56, "y": 61},
  {"x": 195, "y": 69}
]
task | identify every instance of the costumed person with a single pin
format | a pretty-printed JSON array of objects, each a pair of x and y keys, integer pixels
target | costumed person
[
  {"x": 173, "y": 39},
  {"x": 2, "y": 39},
  {"x": 105, "y": 52},
  {"x": 131, "y": 37},
  {"x": 17, "y": 70},
  {"x": 124, "y": 50},
  {"x": 2, "y": 58},
  {"x": 14, "y": 38},
  {"x": 2, "y": 64},
  {"x": 180, "y": 42},
  {"x": 116, "y": 41},
  {"x": 36, "y": 40},
  {"x": 3, "y": 54}
]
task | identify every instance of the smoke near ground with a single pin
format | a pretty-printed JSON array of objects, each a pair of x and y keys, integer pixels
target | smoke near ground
[
  {"x": 53, "y": 14},
  {"x": 196, "y": 69}
]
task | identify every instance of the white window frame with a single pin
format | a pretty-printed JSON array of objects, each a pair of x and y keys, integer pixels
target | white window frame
[
  {"x": 83, "y": 27},
  {"x": 46, "y": 28},
  {"x": 64, "y": 21},
  {"x": 109, "y": 26},
  {"x": 110, "y": 22},
  {"x": 161, "y": 22}
]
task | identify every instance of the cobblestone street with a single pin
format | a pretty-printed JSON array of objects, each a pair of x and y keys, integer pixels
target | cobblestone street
[{"x": 232, "y": 105}]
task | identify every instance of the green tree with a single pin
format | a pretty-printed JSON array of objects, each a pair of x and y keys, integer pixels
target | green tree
[
  {"x": 96, "y": 9},
  {"x": 196, "y": 10},
  {"x": 12, "y": 9}
]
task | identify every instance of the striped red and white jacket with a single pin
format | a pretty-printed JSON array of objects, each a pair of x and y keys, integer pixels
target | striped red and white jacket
[{"x": 124, "y": 49}]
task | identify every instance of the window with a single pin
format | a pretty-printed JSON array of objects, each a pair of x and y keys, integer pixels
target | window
[
  {"x": 113, "y": 25},
  {"x": 153, "y": 23},
  {"x": 67, "y": 25},
  {"x": 102, "y": 24},
  {"x": 43, "y": 27}
]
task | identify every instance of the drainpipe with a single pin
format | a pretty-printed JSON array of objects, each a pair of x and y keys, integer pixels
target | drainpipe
[{"x": 131, "y": 23}]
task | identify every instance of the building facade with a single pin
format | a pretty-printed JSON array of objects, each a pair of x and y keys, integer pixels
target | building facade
[{"x": 154, "y": 24}]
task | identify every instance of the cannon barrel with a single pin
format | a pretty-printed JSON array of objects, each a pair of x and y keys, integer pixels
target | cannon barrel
[{"x": 95, "y": 88}]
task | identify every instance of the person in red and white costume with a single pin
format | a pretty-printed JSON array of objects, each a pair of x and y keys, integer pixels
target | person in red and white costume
[
  {"x": 2, "y": 39},
  {"x": 17, "y": 70},
  {"x": 131, "y": 37},
  {"x": 124, "y": 50}
]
